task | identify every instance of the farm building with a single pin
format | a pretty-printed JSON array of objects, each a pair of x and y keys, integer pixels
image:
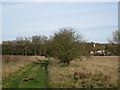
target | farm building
[{"x": 99, "y": 52}]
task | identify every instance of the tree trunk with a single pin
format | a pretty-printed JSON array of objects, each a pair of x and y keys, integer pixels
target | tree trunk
[
  {"x": 40, "y": 53},
  {"x": 12, "y": 52},
  {"x": 68, "y": 63},
  {"x": 35, "y": 52},
  {"x": 26, "y": 53}
]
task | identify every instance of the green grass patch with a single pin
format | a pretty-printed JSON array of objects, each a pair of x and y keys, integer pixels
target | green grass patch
[{"x": 32, "y": 76}]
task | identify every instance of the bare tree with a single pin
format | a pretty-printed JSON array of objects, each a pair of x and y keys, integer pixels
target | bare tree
[
  {"x": 115, "y": 37},
  {"x": 115, "y": 43},
  {"x": 38, "y": 43}
]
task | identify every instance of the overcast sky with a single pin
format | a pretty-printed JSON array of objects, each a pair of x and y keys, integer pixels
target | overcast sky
[{"x": 96, "y": 21}]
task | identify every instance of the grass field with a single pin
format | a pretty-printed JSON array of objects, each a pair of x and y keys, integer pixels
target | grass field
[{"x": 96, "y": 72}]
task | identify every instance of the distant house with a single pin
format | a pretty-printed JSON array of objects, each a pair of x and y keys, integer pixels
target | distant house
[
  {"x": 97, "y": 52},
  {"x": 107, "y": 53}
]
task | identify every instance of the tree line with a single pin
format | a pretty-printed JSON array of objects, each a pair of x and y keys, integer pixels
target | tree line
[
  {"x": 34, "y": 45},
  {"x": 66, "y": 45}
]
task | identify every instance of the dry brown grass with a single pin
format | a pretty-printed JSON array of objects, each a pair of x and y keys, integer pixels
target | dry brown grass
[
  {"x": 103, "y": 70},
  {"x": 11, "y": 64}
]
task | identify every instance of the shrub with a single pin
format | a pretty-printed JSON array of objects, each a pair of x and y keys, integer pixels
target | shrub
[{"x": 65, "y": 45}]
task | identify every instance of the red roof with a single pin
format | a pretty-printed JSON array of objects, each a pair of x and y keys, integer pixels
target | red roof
[{"x": 94, "y": 49}]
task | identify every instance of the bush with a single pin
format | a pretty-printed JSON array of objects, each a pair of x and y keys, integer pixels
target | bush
[{"x": 65, "y": 45}]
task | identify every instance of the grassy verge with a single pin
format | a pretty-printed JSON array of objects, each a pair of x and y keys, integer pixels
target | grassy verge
[
  {"x": 32, "y": 76},
  {"x": 12, "y": 64},
  {"x": 96, "y": 72}
]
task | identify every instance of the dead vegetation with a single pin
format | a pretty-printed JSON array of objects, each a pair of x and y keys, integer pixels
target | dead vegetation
[{"x": 95, "y": 72}]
